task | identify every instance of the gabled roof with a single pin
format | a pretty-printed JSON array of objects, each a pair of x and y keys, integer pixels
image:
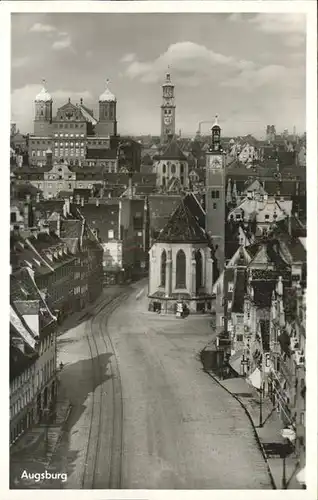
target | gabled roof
[
  {"x": 161, "y": 206},
  {"x": 173, "y": 152},
  {"x": 182, "y": 227}
]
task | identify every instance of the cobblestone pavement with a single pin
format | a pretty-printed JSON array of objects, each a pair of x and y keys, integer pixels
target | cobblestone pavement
[{"x": 180, "y": 430}]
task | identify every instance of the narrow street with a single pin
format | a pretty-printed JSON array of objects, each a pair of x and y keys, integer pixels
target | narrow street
[{"x": 158, "y": 423}]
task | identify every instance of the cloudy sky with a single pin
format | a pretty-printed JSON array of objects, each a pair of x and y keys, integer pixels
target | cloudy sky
[{"x": 247, "y": 68}]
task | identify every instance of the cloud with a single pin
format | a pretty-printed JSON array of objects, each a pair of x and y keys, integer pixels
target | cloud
[
  {"x": 251, "y": 79},
  {"x": 63, "y": 43},
  {"x": 128, "y": 58},
  {"x": 19, "y": 62},
  {"x": 280, "y": 23},
  {"x": 189, "y": 62},
  {"x": 42, "y": 28}
]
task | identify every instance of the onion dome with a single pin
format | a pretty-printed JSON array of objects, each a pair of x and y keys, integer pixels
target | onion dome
[
  {"x": 216, "y": 123},
  {"x": 44, "y": 95},
  {"x": 107, "y": 95}
]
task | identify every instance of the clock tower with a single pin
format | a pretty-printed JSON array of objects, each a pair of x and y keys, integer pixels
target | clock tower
[
  {"x": 215, "y": 195},
  {"x": 168, "y": 111}
]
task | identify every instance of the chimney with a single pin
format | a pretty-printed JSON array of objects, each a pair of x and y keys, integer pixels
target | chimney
[
  {"x": 82, "y": 202},
  {"x": 38, "y": 197},
  {"x": 58, "y": 225}
]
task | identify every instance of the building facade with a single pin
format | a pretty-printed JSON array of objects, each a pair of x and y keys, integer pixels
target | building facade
[{"x": 74, "y": 133}]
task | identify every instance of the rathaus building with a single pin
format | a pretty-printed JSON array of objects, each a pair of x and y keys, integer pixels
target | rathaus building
[{"x": 73, "y": 133}]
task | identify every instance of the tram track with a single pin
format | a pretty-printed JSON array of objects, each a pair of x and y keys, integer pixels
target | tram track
[{"x": 99, "y": 342}]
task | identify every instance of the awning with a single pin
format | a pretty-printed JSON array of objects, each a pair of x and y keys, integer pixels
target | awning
[
  {"x": 235, "y": 361},
  {"x": 301, "y": 476},
  {"x": 255, "y": 379}
]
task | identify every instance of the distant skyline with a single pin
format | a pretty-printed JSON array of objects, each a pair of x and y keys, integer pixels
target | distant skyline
[{"x": 250, "y": 69}]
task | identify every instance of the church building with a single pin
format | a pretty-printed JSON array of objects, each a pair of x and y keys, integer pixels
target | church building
[
  {"x": 171, "y": 168},
  {"x": 181, "y": 264}
]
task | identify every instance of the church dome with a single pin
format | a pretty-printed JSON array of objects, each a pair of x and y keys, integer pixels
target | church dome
[
  {"x": 44, "y": 95},
  {"x": 107, "y": 95}
]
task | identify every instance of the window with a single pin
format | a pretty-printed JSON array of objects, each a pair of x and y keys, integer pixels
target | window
[
  {"x": 215, "y": 194},
  {"x": 180, "y": 269},
  {"x": 214, "y": 206},
  {"x": 110, "y": 234},
  {"x": 173, "y": 169},
  {"x": 239, "y": 320},
  {"x": 181, "y": 180},
  {"x": 239, "y": 338},
  {"x": 266, "y": 216},
  {"x": 231, "y": 286},
  {"x": 163, "y": 268},
  {"x": 181, "y": 169},
  {"x": 164, "y": 169}
]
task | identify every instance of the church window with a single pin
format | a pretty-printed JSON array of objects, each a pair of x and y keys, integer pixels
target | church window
[
  {"x": 163, "y": 181},
  {"x": 180, "y": 269},
  {"x": 173, "y": 169},
  {"x": 164, "y": 169},
  {"x": 198, "y": 269},
  {"x": 181, "y": 180},
  {"x": 163, "y": 268},
  {"x": 181, "y": 168}
]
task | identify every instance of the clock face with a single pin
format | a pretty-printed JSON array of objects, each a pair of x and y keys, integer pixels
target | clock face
[
  {"x": 167, "y": 120},
  {"x": 215, "y": 161}
]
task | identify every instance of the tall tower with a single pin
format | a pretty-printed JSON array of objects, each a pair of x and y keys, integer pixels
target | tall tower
[
  {"x": 107, "y": 125},
  {"x": 215, "y": 195},
  {"x": 168, "y": 110},
  {"x": 43, "y": 112}
]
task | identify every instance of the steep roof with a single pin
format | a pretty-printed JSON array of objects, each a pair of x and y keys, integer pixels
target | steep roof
[
  {"x": 173, "y": 152},
  {"x": 182, "y": 227},
  {"x": 160, "y": 209}
]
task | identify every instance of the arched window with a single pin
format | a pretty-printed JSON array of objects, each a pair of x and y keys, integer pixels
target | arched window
[
  {"x": 173, "y": 169},
  {"x": 163, "y": 268},
  {"x": 163, "y": 169},
  {"x": 198, "y": 269},
  {"x": 181, "y": 269}
]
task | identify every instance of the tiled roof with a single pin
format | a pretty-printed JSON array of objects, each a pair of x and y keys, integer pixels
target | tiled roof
[
  {"x": 182, "y": 227},
  {"x": 103, "y": 217},
  {"x": 191, "y": 201},
  {"x": 160, "y": 209},
  {"x": 173, "y": 152},
  {"x": 71, "y": 228}
]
